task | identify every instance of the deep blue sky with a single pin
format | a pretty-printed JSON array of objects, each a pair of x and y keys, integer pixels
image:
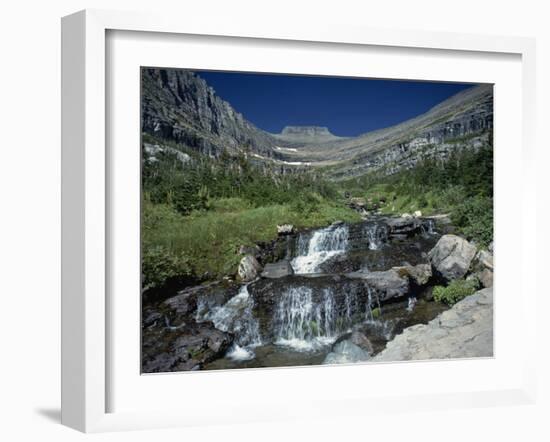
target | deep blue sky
[{"x": 347, "y": 106}]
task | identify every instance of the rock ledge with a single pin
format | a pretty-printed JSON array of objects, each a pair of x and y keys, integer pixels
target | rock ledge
[{"x": 464, "y": 331}]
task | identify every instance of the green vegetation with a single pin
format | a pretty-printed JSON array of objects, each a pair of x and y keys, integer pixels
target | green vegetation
[
  {"x": 205, "y": 243},
  {"x": 193, "y": 185},
  {"x": 196, "y": 214},
  {"x": 461, "y": 186},
  {"x": 457, "y": 290}
]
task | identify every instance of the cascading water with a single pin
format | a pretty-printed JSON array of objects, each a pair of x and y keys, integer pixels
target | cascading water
[
  {"x": 322, "y": 245},
  {"x": 236, "y": 316},
  {"x": 376, "y": 234},
  {"x": 302, "y": 323},
  {"x": 370, "y": 302},
  {"x": 428, "y": 227}
]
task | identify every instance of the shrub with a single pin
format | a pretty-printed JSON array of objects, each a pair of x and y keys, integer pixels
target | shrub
[
  {"x": 307, "y": 204},
  {"x": 455, "y": 291},
  {"x": 158, "y": 265},
  {"x": 474, "y": 218},
  {"x": 229, "y": 205}
]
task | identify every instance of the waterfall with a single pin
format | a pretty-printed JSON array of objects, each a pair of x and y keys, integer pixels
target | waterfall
[
  {"x": 322, "y": 245},
  {"x": 304, "y": 324},
  {"x": 236, "y": 316},
  {"x": 301, "y": 324},
  {"x": 376, "y": 234},
  {"x": 370, "y": 302},
  {"x": 427, "y": 227}
]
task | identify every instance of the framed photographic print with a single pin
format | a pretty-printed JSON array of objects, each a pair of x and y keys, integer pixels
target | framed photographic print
[{"x": 249, "y": 214}]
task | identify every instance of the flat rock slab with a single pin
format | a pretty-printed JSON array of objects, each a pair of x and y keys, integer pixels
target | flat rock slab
[
  {"x": 388, "y": 284},
  {"x": 278, "y": 269},
  {"x": 464, "y": 331}
]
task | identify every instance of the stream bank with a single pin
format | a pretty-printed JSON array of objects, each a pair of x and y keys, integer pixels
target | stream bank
[{"x": 339, "y": 294}]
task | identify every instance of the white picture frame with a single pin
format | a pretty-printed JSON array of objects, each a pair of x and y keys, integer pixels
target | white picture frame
[{"x": 86, "y": 204}]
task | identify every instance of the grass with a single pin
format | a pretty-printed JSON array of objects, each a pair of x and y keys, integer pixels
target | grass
[
  {"x": 196, "y": 215},
  {"x": 429, "y": 202},
  {"x": 206, "y": 242},
  {"x": 461, "y": 186},
  {"x": 457, "y": 290}
]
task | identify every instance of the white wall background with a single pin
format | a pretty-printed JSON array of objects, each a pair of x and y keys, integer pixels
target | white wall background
[{"x": 30, "y": 219}]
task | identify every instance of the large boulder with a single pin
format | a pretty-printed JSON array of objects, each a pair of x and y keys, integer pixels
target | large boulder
[
  {"x": 452, "y": 256},
  {"x": 277, "y": 269},
  {"x": 249, "y": 267}
]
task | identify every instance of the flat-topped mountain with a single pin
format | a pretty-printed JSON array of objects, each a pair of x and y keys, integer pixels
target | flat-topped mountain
[
  {"x": 301, "y": 135},
  {"x": 306, "y": 131},
  {"x": 464, "y": 120}
]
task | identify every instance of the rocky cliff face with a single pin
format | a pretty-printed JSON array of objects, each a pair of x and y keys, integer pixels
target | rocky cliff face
[
  {"x": 179, "y": 106},
  {"x": 465, "y": 121}
]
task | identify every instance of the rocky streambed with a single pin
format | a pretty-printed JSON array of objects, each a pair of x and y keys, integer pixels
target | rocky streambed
[{"x": 333, "y": 295}]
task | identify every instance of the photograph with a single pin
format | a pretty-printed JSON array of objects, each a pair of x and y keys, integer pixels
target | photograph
[{"x": 305, "y": 220}]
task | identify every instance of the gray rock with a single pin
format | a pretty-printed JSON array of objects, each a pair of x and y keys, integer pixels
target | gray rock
[
  {"x": 357, "y": 203},
  {"x": 387, "y": 284},
  {"x": 187, "y": 347},
  {"x": 249, "y": 268},
  {"x": 306, "y": 135},
  {"x": 361, "y": 341},
  {"x": 346, "y": 352},
  {"x": 405, "y": 224},
  {"x": 154, "y": 150},
  {"x": 420, "y": 274},
  {"x": 249, "y": 250},
  {"x": 180, "y": 106},
  {"x": 278, "y": 269},
  {"x": 451, "y": 257},
  {"x": 464, "y": 331},
  {"x": 194, "y": 302},
  {"x": 486, "y": 278},
  {"x": 285, "y": 229},
  {"x": 484, "y": 260}
]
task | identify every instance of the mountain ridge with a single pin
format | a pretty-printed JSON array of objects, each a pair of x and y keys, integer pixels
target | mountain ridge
[{"x": 179, "y": 106}]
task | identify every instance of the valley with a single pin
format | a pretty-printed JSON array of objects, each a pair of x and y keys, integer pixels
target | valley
[{"x": 303, "y": 247}]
